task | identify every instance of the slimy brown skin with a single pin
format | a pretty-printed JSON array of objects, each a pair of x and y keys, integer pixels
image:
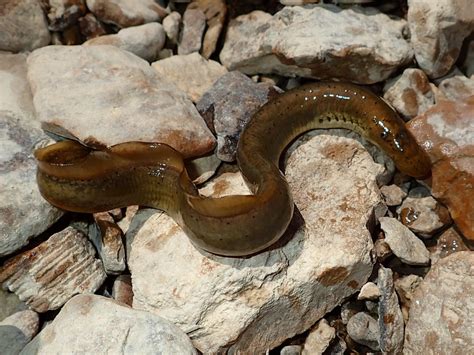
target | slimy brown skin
[{"x": 77, "y": 178}]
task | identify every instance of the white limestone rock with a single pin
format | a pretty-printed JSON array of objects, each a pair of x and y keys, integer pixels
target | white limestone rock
[
  {"x": 438, "y": 29},
  {"x": 24, "y": 214},
  {"x": 91, "y": 324},
  {"x": 48, "y": 275},
  {"x": 318, "y": 41},
  {"x": 253, "y": 304},
  {"x": 144, "y": 41},
  {"x": 192, "y": 73},
  {"x": 108, "y": 95}
]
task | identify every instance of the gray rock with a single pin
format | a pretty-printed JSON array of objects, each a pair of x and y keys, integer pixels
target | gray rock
[
  {"x": 9, "y": 304},
  {"x": 442, "y": 309},
  {"x": 117, "y": 86},
  {"x": 23, "y": 26},
  {"x": 410, "y": 93},
  {"x": 93, "y": 324},
  {"x": 24, "y": 214},
  {"x": 363, "y": 329},
  {"x": 17, "y": 330},
  {"x": 144, "y": 41},
  {"x": 194, "y": 23},
  {"x": 48, "y": 275},
  {"x": 191, "y": 73},
  {"x": 124, "y": 13},
  {"x": 438, "y": 30},
  {"x": 234, "y": 304},
  {"x": 229, "y": 105},
  {"x": 106, "y": 236},
  {"x": 390, "y": 319},
  {"x": 317, "y": 41},
  {"x": 404, "y": 244},
  {"x": 291, "y": 350}
]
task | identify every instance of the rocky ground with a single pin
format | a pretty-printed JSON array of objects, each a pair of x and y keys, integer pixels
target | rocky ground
[{"x": 373, "y": 261}]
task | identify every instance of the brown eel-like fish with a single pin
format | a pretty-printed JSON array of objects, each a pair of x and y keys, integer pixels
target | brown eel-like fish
[{"x": 77, "y": 178}]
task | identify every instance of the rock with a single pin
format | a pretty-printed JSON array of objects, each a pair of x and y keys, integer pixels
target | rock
[
  {"x": 317, "y": 41},
  {"x": 404, "y": 244},
  {"x": 349, "y": 309},
  {"x": 22, "y": 25},
  {"x": 107, "y": 239},
  {"x": 291, "y": 350},
  {"x": 17, "y": 330},
  {"x": 126, "y": 13},
  {"x": 171, "y": 25},
  {"x": 457, "y": 87},
  {"x": 144, "y": 41},
  {"x": 442, "y": 309},
  {"x": 194, "y": 23},
  {"x": 319, "y": 338},
  {"x": 234, "y": 304},
  {"x": 229, "y": 105},
  {"x": 63, "y": 13},
  {"x": 94, "y": 324},
  {"x": 425, "y": 215},
  {"x": 446, "y": 132},
  {"x": 91, "y": 27},
  {"x": 116, "y": 85},
  {"x": 122, "y": 290},
  {"x": 191, "y": 73},
  {"x": 215, "y": 12},
  {"x": 448, "y": 243},
  {"x": 369, "y": 291},
  {"x": 363, "y": 329},
  {"x": 48, "y": 275},
  {"x": 9, "y": 304},
  {"x": 467, "y": 66},
  {"x": 382, "y": 249},
  {"x": 202, "y": 169},
  {"x": 410, "y": 93},
  {"x": 392, "y": 194},
  {"x": 405, "y": 287},
  {"x": 438, "y": 31},
  {"x": 24, "y": 214},
  {"x": 390, "y": 316}
]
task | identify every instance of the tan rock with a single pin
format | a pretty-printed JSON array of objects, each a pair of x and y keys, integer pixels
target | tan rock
[
  {"x": 125, "y": 13},
  {"x": 48, "y": 275},
  {"x": 122, "y": 290},
  {"x": 235, "y": 303},
  {"x": 63, "y": 13},
  {"x": 171, "y": 25},
  {"x": 410, "y": 93},
  {"x": 457, "y": 87},
  {"x": 126, "y": 99},
  {"x": 448, "y": 242},
  {"x": 92, "y": 324},
  {"x": 319, "y": 338},
  {"x": 144, "y": 41},
  {"x": 392, "y": 194},
  {"x": 192, "y": 73},
  {"x": 442, "y": 310},
  {"x": 446, "y": 132},
  {"x": 194, "y": 23},
  {"x": 317, "y": 41}
]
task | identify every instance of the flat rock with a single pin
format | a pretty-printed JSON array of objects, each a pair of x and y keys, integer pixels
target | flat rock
[
  {"x": 24, "y": 214},
  {"x": 410, "y": 93},
  {"x": 426, "y": 215},
  {"x": 215, "y": 12},
  {"x": 227, "y": 107},
  {"x": 126, "y": 99},
  {"x": 23, "y": 26},
  {"x": 17, "y": 330},
  {"x": 194, "y": 23},
  {"x": 48, "y": 275},
  {"x": 317, "y": 41},
  {"x": 234, "y": 303},
  {"x": 446, "y": 133},
  {"x": 192, "y": 73},
  {"x": 438, "y": 30},
  {"x": 442, "y": 309},
  {"x": 124, "y": 13},
  {"x": 94, "y": 324},
  {"x": 63, "y": 13},
  {"x": 144, "y": 41},
  {"x": 404, "y": 244}
]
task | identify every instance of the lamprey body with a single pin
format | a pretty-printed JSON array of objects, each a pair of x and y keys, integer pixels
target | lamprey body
[{"x": 77, "y": 178}]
